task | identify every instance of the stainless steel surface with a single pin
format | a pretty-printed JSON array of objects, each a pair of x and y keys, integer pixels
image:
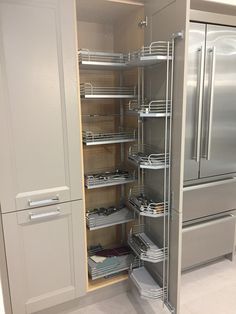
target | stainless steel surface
[
  {"x": 46, "y": 215},
  {"x": 194, "y": 99},
  {"x": 220, "y": 89},
  {"x": 209, "y": 199},
  {"x": 39, "y": 203},
  {"x": 201, "y": 51},
  {"x": 206, "y": 241},
  {"x": 211, "y": 99}
]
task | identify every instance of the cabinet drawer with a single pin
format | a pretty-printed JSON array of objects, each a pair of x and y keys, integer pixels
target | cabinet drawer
[
  {"x": 209, "y": 199},
  {"x": 45, "y": 250},
  {"x": 203, "y": 242}
]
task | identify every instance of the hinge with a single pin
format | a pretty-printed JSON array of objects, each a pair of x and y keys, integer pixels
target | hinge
[
  {"x": 178, "y": 35},
  {"x": 143, "y": 23}
]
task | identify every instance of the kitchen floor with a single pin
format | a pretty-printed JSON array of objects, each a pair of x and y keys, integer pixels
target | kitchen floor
[
  {"x": 210, "y": 289},
  {"x": 123, "y": 303}
]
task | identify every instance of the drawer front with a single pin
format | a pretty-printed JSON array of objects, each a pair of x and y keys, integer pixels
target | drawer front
[
  {"x": 206, "y": 241},
  {"x": 45, "y": 250},
  {"x": 209, "y": 199}
]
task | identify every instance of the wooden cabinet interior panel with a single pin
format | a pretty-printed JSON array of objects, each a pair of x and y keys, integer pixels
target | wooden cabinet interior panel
[
  {"x": 121, "y": 34},
  {"x": 103, "y": 197}
]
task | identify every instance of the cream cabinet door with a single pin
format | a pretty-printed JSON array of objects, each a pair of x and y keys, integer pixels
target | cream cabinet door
[
  {"x": 45, "y": 250},
  {"x": 40, "y": 160}
]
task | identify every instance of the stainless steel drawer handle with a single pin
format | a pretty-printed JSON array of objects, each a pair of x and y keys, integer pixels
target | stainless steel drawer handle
[
  {"x": 209, "y": 223},
  {"x": 51, "y": 214},
  {"x": 53, "y": 200}
]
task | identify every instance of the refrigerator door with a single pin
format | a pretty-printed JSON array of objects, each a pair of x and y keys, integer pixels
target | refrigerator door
[
  {"x": 196, "y": 63},
  {"x": 219, "y": 114}
]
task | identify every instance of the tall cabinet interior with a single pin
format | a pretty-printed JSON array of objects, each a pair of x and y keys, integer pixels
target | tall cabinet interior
[{"x": 126, "y": 105}]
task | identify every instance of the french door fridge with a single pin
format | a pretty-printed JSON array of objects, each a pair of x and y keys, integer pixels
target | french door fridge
[{"x": 210, "y": 147}]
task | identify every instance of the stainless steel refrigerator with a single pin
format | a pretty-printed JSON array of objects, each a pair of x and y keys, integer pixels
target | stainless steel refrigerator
[
  {"x": 210, "y": 144},
  {"x": 211, "y": 104}
]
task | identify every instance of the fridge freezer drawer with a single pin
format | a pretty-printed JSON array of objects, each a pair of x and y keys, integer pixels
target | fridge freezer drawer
[
  {"x": 208, "y": 199},
  {"x": 206, "y": 241}
]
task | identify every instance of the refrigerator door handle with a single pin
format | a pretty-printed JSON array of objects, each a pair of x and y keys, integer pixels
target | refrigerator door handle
[
  {"x": 200, "y": 76},
  {"x": 212, "y": 52}
]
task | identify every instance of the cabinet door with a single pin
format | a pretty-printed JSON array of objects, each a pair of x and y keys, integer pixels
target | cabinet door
[
  {"x": 219, "y": 114},
  {"x": 165, "y": 18},
  {"x": 40, "y": 160},
  {"x": 196, "y": 53},
  {"x": 45, "y": 250}
]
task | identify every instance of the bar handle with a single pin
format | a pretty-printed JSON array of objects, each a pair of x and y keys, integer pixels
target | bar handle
[
  {"x": 47, "y": 215},
  {"x": 45, "y": 202},
  {"x": 209, "y": 223},
  {"x": 200, "y": 76},
  {"x": 211, "y": 51}
]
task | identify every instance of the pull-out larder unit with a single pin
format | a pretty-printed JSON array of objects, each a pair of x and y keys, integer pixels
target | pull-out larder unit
[{"x": 126, "y": 126}]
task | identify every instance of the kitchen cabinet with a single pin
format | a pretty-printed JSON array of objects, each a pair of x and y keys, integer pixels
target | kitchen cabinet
[
  {"x": 130, "y": 59},
  {"x": 40, "y": 162},
  {"x": 45, "y": 252}
]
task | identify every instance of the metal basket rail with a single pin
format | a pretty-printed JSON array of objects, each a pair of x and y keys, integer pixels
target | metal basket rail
[
  {"x": 152, "y": 109},
  {"x": 147, "y": 286},
  {"x": 148, "y": 55},
  {"x": 109, "y": 178},
  {"x": 144, "y": 247},
  {"x": 145, "y": 157},
  {"x": 88, "y": 90},
  {"x": 88, "y": 58},
  {"x": 110, "y": 265},
  {"x": 97, "y": 220},
  {"x": 144, "y": 205},
  {"x": 155, "y": 108},
  {"x": 99, "y": 138}
]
